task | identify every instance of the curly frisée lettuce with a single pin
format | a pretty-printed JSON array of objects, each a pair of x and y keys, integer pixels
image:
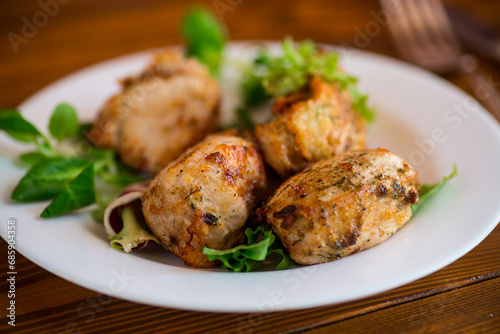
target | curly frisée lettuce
[
  {"x": 132, "y": 234},
  {"x": 249, "y": 257},
  {"x": 124, "y": 222},
  {"x": 290, "y": 72}
]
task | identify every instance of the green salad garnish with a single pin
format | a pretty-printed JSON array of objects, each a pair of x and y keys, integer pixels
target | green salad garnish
[
  {"x": 132, "y": 233},
  {"x": 64, "y": 167},
  {"x": 205, "y": 38},
  {"x": 274, "y": 76},
  {"x": 428, "y": 190},
  {"x": 248, "y": 257}
]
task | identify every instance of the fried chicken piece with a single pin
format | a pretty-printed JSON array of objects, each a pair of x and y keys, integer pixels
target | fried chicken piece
[
  {"x": 171, "y": 106},
  {"x": 342, "y": 205},
  {"x": 204, "y": 197},
  {"x": 310, "y": 126}
]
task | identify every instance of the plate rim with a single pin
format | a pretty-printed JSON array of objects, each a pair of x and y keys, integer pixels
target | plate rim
[{"x": 306, "y": 304}]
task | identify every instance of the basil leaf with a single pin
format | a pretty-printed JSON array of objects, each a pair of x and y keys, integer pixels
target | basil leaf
[
  {"x": 427, "y": 191},
  {"x": 76, "y": 194},
  {"x": 205, "y": 38},
  {"x": 47, "y": 179},
  {"x": 32, "y": 158},
  {"x": 64, "y": 122},
  {"x": 13, "y": 123}
]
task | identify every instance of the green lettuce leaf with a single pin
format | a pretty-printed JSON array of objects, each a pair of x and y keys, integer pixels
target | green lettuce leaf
[
  {"x": 77, "y": 194},
  {"x": 32, "y": 158},
  {"x": 17, "y": 127},
  {"x": 290, "y": 72},
  {"x": 46, "y": 179},
  {"x": 427, "y": 190},
  {"x": 67, "y": 168},
  {"x": 64, "y": 122},
  {"x": 248, "y": 257},
  {"x": 205, "y": 38},
  {"x": 132, "y": 234},
  {"x": 251, "y": 86}
]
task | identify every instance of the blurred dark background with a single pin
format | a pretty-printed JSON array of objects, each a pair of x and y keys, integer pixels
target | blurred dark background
[
  {"x": 44, "y": 40},
  {"x": 76, "y": 33}
]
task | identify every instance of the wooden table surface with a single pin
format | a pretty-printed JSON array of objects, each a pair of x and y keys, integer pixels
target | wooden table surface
[{"x": 462, "y": 297}]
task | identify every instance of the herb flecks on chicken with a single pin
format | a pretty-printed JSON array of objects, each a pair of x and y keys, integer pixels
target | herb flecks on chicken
[
  {"x": 312, "y": 124},
  {"x": 342, "y": 205},
  {"x": 169, "y": 107},
  {"x": 204, "y": 198}
]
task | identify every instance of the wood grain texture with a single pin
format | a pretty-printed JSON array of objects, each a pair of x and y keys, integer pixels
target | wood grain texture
[
  {"x": 462, "y": 297},
  {"x": 51, "y": 304},
  {"x": 477, "y": 314}
]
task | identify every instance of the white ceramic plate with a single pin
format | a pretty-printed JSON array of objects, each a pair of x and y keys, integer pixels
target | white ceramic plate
[{"x": 421, "y": 117}]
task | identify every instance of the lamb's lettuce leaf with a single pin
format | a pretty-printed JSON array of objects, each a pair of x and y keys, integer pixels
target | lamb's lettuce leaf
[
  {"x": 64, "y": 122},
  {"x": 205, "y": 38},
  {"x": 76, "y": 194},
  {"x": 63, "y": 166}
]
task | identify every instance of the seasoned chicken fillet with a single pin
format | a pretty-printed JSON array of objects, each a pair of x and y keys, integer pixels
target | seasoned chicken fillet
[
  {"x": 171, "y": 106},
  {"x": 310, "y": 126},
  {"x": 204, "y": 197},
  {"x": 342, "y": 205}
]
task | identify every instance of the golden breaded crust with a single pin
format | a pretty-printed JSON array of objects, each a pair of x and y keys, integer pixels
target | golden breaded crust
[{"x": 310, "y": 126}]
